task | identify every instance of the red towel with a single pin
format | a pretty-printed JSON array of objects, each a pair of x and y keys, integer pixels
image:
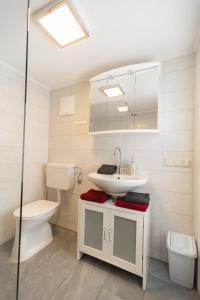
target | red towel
[
  {"x": 134, "y": 206},
  {"x": 95, "y": 196}
]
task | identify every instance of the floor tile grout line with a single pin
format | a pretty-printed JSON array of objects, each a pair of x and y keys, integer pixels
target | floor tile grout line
[
  {"x": 45, "y": 260},
  {"x": 109, "y": 272},
  {"x": 7, "y": 276},
  {"x": 53, "y": 292},
  {"x": 66, "y": 279}
]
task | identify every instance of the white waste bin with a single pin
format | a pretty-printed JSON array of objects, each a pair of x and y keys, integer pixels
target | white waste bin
[{"x": 181, "y": 255}]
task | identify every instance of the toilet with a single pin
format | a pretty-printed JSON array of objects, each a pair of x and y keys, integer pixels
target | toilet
[{"x": 36, "y": 232}]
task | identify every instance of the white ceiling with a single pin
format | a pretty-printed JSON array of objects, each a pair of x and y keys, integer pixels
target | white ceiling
[{"x": 122, "y": 32}]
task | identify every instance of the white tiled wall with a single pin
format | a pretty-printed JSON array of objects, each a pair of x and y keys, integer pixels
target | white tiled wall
[
  {"x": 170, "y": 188},
  {"x": 11, "y": 124},
  {"x": 70, "y": 142},
  {"x": 177, "y": 143},
  {"x": 37, "y": 139},
  {"x": 197, "y": 160},
  {"x": 11, "y": 108}
]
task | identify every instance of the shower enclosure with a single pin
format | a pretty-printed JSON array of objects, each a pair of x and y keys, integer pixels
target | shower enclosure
[{"x": 13, "y": 92}]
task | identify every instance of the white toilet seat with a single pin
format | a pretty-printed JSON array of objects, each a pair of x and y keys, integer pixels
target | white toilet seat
[{"x": 36, "y": 209}]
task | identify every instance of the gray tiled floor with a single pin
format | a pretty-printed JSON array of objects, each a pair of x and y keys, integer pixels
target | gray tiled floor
[{"x": 55, "y": 274}]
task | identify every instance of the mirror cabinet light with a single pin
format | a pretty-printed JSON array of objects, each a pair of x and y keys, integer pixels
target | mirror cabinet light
[
  {"x": 112, "y": 91},
  {"x": 122, "y": 108},
  {"x": 61, "y": 22}
]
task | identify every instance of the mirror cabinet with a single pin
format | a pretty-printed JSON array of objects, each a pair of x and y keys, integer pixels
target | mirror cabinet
[{"x": 125, "y": 99}]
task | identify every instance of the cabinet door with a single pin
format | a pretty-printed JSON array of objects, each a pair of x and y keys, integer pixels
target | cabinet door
[
  {"x": 92, "y": 228},
  {"x": 126, "y": 240}
]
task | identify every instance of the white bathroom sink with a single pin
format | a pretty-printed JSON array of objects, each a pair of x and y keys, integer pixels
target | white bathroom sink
[{"x": 117, "y": 184}]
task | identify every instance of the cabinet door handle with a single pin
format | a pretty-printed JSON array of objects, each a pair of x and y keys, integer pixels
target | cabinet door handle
[
  {"x": 104, "y": 234},
  {"x": 110, "y": 235}
]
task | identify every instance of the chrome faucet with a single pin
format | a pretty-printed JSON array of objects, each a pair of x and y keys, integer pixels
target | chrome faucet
[{"x": 119, "y": 167}]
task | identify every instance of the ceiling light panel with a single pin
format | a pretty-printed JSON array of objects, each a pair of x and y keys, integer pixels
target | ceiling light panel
[{"x": 62, "y": 23}]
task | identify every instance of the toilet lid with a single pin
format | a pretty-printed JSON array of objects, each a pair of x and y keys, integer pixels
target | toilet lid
[{"x": 36, "y": 209}]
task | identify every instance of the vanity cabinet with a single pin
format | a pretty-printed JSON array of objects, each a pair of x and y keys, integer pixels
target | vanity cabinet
[{"x": 116, "y": 235}]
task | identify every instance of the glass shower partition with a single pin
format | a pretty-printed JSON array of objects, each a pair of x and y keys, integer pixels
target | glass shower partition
[{"x": 13, "y": 79}]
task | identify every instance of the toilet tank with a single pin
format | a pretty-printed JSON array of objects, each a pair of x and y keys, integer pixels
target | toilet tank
[{"x": 60, "y": 176}]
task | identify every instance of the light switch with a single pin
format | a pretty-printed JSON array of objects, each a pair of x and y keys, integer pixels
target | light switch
[{"x": 183, "y": 163}]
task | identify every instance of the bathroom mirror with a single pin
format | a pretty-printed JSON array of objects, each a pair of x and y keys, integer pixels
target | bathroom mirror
[{"x": 125, "y": 99}]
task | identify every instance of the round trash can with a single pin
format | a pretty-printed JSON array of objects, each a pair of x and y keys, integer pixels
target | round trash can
[{"x": 182, "y": 252}]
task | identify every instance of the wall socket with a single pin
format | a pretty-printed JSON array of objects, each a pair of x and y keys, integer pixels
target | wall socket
[{"x": 182, "y": 163}]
